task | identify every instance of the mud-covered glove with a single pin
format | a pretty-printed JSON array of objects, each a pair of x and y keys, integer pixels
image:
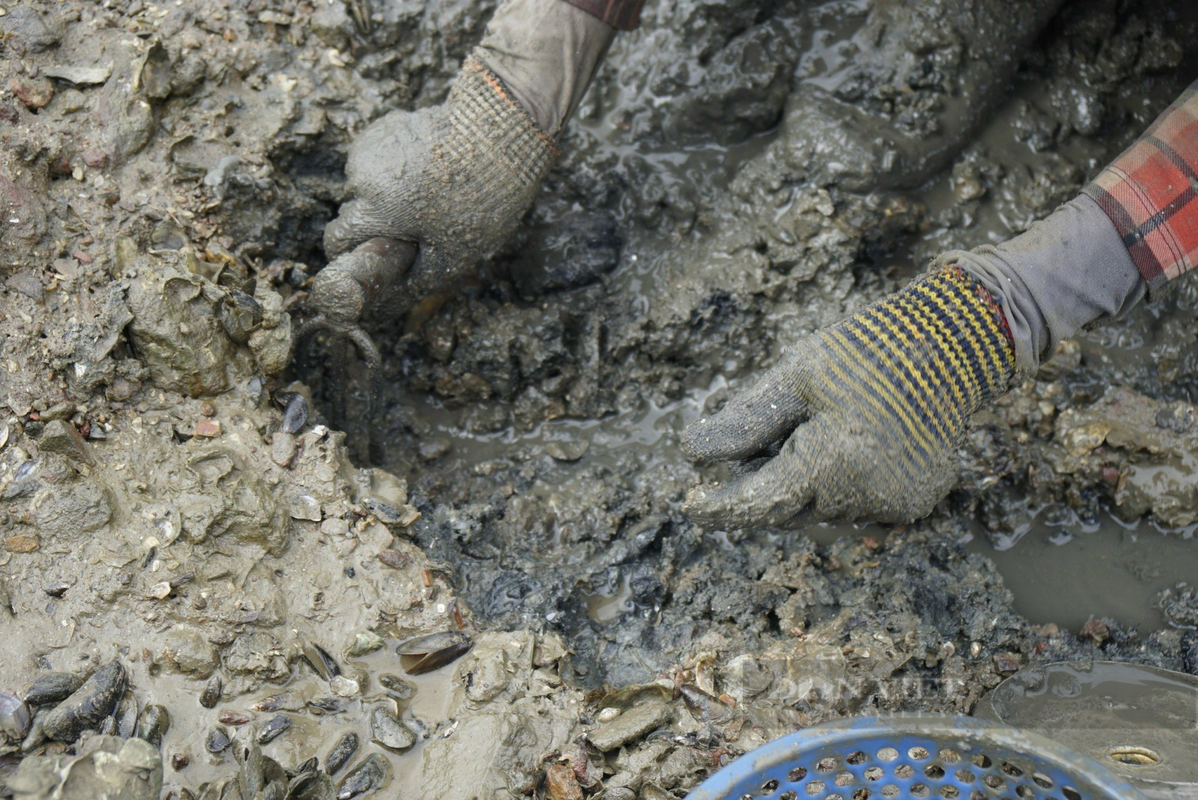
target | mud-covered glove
[
  {"x": 455, "y": 179},
  {"x": 871, "y": 411}
]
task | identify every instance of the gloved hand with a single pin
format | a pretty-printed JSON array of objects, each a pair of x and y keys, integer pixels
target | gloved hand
[
  {"x": 454, "y": 178},
  {"x": 871, "y": 409}
]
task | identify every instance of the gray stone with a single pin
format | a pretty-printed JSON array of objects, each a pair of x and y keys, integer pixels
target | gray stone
[
  {"x": 108, "y": 767},
  {"x": 634, "y": 723},
  {"x": 189, "y": 651}
]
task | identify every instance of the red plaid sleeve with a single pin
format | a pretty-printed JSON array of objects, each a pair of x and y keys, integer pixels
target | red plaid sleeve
[
  {"x": 1150, "y": 192},
  {"x": 623, "y": 15}
]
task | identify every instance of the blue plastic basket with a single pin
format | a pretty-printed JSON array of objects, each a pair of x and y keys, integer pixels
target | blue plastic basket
[{"x": 914, "y": 756}]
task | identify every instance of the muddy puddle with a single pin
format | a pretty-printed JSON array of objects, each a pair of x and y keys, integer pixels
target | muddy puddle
[{"x": 1109, "y": 570}]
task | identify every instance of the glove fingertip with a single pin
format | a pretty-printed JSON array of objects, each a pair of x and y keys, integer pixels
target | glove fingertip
[
  {"x": 339, "y": 234},
  {"x": 698, "y": 505}
]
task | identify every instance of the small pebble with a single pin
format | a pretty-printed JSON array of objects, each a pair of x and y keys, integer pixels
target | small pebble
[
  {"x": 282, "y": 448},
  {"x": 22, "y": 543},
  {"x": 207, "y": 428},
  {"x": 395, "y": 559},
  {"x": 333, "y": 526},
  {"x": 568, "y": 451}
]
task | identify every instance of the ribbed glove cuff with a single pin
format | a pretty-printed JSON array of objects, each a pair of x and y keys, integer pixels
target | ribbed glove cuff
[{"x": 484, "y": 114}]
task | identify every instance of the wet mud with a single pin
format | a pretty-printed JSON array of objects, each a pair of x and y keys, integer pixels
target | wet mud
[{"x": 167, "y": 503}]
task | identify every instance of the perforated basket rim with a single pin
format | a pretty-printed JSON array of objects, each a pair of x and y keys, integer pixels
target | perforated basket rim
[{"x": 728, "y": 783}]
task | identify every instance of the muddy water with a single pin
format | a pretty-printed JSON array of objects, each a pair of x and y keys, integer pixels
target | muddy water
[{"x": 1112, "y": 569}]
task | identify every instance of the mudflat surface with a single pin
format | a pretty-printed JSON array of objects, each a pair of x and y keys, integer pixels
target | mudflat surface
[{"x": 166, "y": 174}]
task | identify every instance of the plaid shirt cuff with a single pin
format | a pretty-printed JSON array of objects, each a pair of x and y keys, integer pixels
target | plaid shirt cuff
[
  {"x": 623, "y": 15},
  {"x": 1150, "y": 193}
]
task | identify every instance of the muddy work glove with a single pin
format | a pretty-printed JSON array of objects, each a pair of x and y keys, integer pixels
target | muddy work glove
[
  {"x": 871, "y": 410},
  {"x": 456, "y": 178}
]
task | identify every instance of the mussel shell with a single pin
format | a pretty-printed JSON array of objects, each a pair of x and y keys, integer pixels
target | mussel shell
[
  {"x": 273, "y": 728},
  {"x": 422, "y": 654},
  {"x": 417, "y": 726},
  {"x": 388, "y": 731},
  {"x": 311, "y": 786},
  {"x": 283, "y": 701},
  {"x": 309, "y": 765},
  {"x": 15, "y": 719},
  {"x": 212, "y": 691},
  {"x": 259, "y": 772},
  {"x": 383, "y": 512},
  {"x": 153, "y": 723},
  {"x": 218, "y": 740},
  {"x": 239, "y": 314},
  {"x": 87, "y": 707},
  {"x": 326, "y": 705},
  {"x": 126, "y": 716},
  {"x": 52, "y": 687},
  {"x": 702, "y": 706},
  {"x": 1189, "y": 652},
  {"x": 273, "y": 791},
  {"x": 397, "y": 687},
  {"x": 296, "y": 412},
  {"x": 373, "y": 773},
  {"x": 320, "y": 660},
  {"x": 342, "y": 751}
]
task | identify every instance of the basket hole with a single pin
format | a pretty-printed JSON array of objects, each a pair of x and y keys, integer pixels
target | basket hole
[
  {"x": 826, "y": 764},
  {"x": 815, "y": 787},
  {"x": 965, "y": 776},
  {"x": 857, "y": 758},
  {"x": 904, "y": 771},
  {"x": 1071, "y": 793},
  {"x": 934, "y": 771},
  {"x": 1011, "y": 769},
  {"x": 993, "y": 781},
  {"x": 1025, "y": 792},
  {"x": 1135, "y": 756},
  {"x": 887, "y": 754},
  {"x": 788, "y": 795},
  {"x": 950, "y": 756},
  {"x": 920, "y": 790},
  {"x": 797, "y": 774},
  {"x": 976, "y": 795},
  {"x": 770, "y": 786},
  {"x": 834, "y": 797},
  {"x": 845, "y": 779},
  {"x": 862, "y": 794},
  {"x": 1042, "y": 780},
  {"x": 890, "y": 790},
  {"x": 874, "y": 773},
  {"x": 918, "y": 753},
  {"x": 981, "y": 760},
  {"x": 950, "y": 792}
]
